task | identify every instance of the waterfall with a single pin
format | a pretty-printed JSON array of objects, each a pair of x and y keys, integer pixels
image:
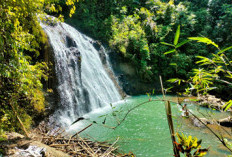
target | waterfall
[{"x": 83, "y": 83}]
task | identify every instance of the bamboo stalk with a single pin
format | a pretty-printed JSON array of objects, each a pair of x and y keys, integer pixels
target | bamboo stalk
[
  {"x": 170, "y": 122},
  {"x": 92, "y": 152},
  {"x": 21, "y": 123},
  {"x": 60, "y": 145},
  {"x": 82, "y": 130},
  {"x": 171, "y": 128},
  {"x": 107, "y": 152}
]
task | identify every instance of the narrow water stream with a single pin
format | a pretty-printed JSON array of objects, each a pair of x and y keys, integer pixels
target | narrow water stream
[{"x": 145, "y": 131}]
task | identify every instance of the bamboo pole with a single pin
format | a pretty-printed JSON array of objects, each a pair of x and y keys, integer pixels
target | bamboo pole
[
  {"x": 171, "y": 128},
  {"x": 170, "y": 122},
  {"x": 82, "y": 130}
]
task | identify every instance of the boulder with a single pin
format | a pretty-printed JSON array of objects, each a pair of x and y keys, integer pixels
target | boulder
[
  {"x": 31, "y": 151},
  {"x": 227, "y": 122},
  {"x": 211, "y": 101}
]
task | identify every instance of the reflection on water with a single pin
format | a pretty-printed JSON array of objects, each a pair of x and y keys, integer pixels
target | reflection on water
[{"x": 145, "y": 130}]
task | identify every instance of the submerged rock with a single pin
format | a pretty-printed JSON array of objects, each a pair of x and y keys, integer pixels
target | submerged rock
[
  {"x": 226, "y": 122},
  {"x": 199, "y": 124}
]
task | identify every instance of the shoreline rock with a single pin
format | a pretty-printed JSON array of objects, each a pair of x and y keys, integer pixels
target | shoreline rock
[
  {"x": 210, "y": 101},
  {"x": 226, "y": 122}
]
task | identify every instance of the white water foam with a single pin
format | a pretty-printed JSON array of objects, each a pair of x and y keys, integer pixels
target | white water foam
[{"x": 83, "y": 83}]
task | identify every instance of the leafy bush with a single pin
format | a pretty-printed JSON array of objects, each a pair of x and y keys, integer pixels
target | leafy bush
[
  {"x": 187, "y": 144},
  {"x": 21, "y": 72}
]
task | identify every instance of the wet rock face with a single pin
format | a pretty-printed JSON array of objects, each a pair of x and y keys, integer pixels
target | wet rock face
[
  {"x": 129, "y": 78},
  {"x": 87, "y": 101},
  {"x": 70, "y": 42},
  {"x": 102, "y": 56},
  {"x": 97, "y": 45}
]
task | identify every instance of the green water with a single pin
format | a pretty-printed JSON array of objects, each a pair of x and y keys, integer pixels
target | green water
[{"x": 145, "y": 131}]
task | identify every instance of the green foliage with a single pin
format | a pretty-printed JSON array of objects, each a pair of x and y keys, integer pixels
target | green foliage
[
  {"x": 217, "y": 69},
  {"x": 214, "y": 72},
  {"x": 204, "y": 40},
  {"x": 130, "y": 39},
  {"x": 138, "y": 29},
  {"x": 187, "y": 144},
  {"x": 21, "y": 39},
  {"x": 135, "y": 29},
  {"x": 136, "y": 35},
  {"x": 177, "y": 36},
  {"x": 201, "y": 81},
  {"x": 227, "y": 105},
  {"x": 175, "y": 42}
]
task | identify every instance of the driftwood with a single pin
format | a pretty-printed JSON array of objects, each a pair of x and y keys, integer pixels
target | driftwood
[{"x": 75, "y": 145}]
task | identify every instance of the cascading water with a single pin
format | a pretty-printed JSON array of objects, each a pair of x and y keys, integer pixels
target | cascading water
[{"x": 83, "y": 83}]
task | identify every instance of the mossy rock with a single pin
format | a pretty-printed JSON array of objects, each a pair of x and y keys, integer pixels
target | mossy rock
[{"x": 205, "y": 105}]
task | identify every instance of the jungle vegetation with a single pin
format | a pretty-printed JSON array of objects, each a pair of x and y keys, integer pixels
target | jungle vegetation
[
  {"x": 139, "y": 30},
  {"x": 22, "y": 67}
]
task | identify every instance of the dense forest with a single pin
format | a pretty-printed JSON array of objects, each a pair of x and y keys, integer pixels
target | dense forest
[
  {"x": 152, "y": 35},
  {"x": 136, "y": 30},
  {"x": 22, "y": 67}
]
